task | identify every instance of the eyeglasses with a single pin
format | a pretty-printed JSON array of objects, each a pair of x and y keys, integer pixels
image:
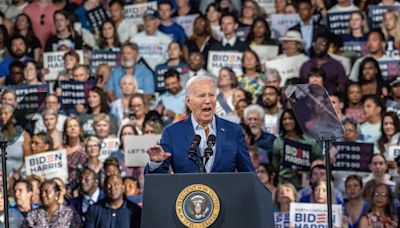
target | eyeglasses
[
  {"x": 42, "y": 19},
  {"x": 378, "y": 194},
  {"x": 261, "y": 171},
  {"x": 36, "y": 143}
]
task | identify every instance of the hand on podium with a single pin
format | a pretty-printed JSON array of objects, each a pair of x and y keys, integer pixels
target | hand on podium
[{"x": 157, "y": 154}]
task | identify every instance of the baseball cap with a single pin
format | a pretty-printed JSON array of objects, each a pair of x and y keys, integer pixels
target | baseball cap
[
  {"x": 395, "y": 81},
  {"x": 153, "y": 14}
]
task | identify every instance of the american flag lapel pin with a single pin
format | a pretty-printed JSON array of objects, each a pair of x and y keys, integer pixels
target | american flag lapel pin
[{"x": 223, "y": 129}]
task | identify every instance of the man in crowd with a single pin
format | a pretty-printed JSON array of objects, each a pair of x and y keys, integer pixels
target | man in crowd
[
  {"x": 115, "y": 210},
  {"x": 270, "y": 102},
  {"x": 254, "y": 117},
  {"x": 51, "y": 103},
  {"x": 126, "y": 28},
  {"x": 335, "y": 79},
  {"x": 153, "y": 44},
  {"x": 81, "y": 73},
  {"x": 167, "y": 25},
  {"x": 129, "y": 65},
  {"x": 91, "y": 192},
  {"x": 22, "y": 196},
  {"x": 229, "y": 152}
]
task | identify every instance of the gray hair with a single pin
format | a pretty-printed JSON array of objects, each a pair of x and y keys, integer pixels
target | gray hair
[
  {"x": 135, "y": 83},
  {"x": 254, "y": 108},
  {"x": 273, "y": 72},
  {"x": 193, "y": 80}
]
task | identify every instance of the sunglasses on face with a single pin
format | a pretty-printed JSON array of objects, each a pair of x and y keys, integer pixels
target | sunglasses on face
[{"x": 42, "y": 19}]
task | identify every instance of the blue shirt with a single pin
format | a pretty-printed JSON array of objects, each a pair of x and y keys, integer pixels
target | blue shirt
[
  {"x": 102, "y": 215},
  {"x": 142, "y": 74},
  {"x": 173, "y": 102},
  {"x": 307, "y": 34},
  {"x": 266, "y": 143},
  {"x": 174, "y": 30},
  {"x": 199, "y": 130},
  {"x": 4, "y": 65}
]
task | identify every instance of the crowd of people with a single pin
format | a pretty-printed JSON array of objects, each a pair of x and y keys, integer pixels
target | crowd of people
[{"x": 130, "y": 99}]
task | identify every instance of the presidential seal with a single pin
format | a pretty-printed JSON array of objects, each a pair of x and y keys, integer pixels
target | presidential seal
[{"x": 197, "y": 206}]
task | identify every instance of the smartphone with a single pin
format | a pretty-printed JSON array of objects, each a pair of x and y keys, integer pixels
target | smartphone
[{"x": 132, "y": 116}]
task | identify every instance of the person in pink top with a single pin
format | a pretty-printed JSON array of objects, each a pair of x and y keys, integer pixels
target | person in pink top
[{"x": 41, "y": 14}]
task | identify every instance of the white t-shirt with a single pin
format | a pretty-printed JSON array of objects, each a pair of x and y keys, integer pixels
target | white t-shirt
[
  {"x": 338, "y": 9},
  {"x": 370, "y": 132},
  {"x": 126, "y": 30}
]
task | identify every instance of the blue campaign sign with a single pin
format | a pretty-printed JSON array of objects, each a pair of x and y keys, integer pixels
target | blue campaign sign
[
  {"x": 96, "y": 18},
  {"x": 358, "y": 47},
  {"x": 111, "y": 58},
  {"x": 29, "y": 104},
  {"x": 375, "y": 14},
  {"x": 161, "y": 69},
  {"x": 393, "y": 106},
  {"x": 296, "y": 155},
  {"x": 74, "y": 92},
  {"x": 353, "y": 156},
  {"x": 338, "y": 23},
  {"x": 390, "y": 69}
]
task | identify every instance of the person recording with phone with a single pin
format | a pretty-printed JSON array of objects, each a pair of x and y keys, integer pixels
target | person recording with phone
[
  {"x": 187, "y": 146},
  {"x": 138, "y": 109}
]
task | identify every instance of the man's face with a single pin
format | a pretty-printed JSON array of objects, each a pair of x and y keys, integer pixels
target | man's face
[
  {"x": 128, "y": 54},
  {"x": 114, "y": 187},
  {"x": 305, "y": 11},
  {"x": 375, "y": 44},
  {"x": 395, "y": 89},
  {"x": 317, "y": 174},
  {"x": 165, "y": 11},
  {"x": 52, "y": 103},
  {"x": 321, "y": 46},
  {"x": 269, "y": 98},
  {"x": 117, "y": 12},
  {"x": 173, "y": 85},
  {"x": 201, "y": 99},
  {"x": 17, "y": 75},
  {"x": 378, "y": 166},
  {"x": 18, "y": 48},
  {"x": 88, "y": 182},
  {"x": 151, "y": 24},
  {"x": 228, "y": 26},
  {"x": 290, "y": 48},
  {"x": 21, "y": 194},
  {"x": 255, "y": 122},
  {"x": 196, "y": 61},
  {"x": 337, "y": 104},
  {"x": 80, "y": 74}
]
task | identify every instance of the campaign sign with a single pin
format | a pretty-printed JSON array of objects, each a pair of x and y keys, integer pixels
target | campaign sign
[
  {"x": 375, "y": 14},
  {"x": 390, "y": 69},
  {"x": 393, "y": 106},
  {"x": 30, "y": 104},
  {"x": 74, "y": 92},
  {"x": 160, "y": 71},
  {"x": 54, "y": 62},
  {"x": 187, "y": 23},
  {"x": 313, "y": 215},
  {"x": 353, "y": 156},
  {"x": 281, "y": 23},
  {"x": 112, "y": 58},
  {"x": 358, "y": 47},
  {"x": 135, "y": 147},
  {"x": 48, "y": 165},
  {"x": 394, "y": 152},
  {"x": 267, "y": 5},
  {"x": 287, "y": 67},
  {"x": 282, "y": 219},
  {"x": 297, "y": 155},
  {"x": 265, "y": 52},
  {"x": 219, "y": 59},
  {"x": 338, "y": 23},
  {"x": 96, "y": 17},
  {"x": 136, "y": 11},
  {"x": 108, "y": 146}
]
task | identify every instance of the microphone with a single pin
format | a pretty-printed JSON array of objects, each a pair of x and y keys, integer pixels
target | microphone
[
  {"x": 195, "y": 143},
  {"x": 208, "y": 152}
]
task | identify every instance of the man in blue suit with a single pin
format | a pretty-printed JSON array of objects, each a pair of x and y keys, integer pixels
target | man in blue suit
[{"x": 230, "y": 152}]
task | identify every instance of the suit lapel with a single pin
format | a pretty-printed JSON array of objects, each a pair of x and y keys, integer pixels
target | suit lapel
[
  {"x": 188, "y": 134},
  {"x": 221, "y": 133}
]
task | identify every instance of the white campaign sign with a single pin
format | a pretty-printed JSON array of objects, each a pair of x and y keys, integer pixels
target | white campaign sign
[
  {"x": 135, "y": 147},
  {"x": 48, "y": 164},
  {"x": 314, "y": 215},
  {"x": 54, "y": 62},
  {"x": 394, "y": 152},
  {"x": 219, "y": 59},
  {"x": 107, "y": 147}
]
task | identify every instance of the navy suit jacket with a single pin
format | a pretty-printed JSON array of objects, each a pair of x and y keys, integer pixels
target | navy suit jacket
[
  {"x": 78, "y": 202},
  {"x": 231, "y": 152}
]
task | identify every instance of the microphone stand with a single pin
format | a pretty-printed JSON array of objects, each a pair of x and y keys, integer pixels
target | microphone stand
[{"x": 3, "y": 146}]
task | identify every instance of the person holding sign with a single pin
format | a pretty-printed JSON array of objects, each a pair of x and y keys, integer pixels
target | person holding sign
[
  {"x": 126, "y": 28},
  {"x": 230, "y": 153},
  {"x": 390, "y": 135},
  {"x": 285, "y": 194},
  {"x": 356, "y": 206}
]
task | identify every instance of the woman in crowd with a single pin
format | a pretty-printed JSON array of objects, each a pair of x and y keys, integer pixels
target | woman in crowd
[
  {"x": 152, "y": 127},
  {"x": 250, "y": 11},
  {"x": 66, "y": 36},
  {"x": 4, "y": 43},
  {"x": 73, "y": 143},
  {"x": 102, "y": 126},
  {"x": 260, "y": 33},
  {"x": 373, "y": 109},
  {"x": 266, "y": 175},
  {"x": 132, "y": 190},
  {"x": 319, "y": 192},
  {"x": 285, "y": 194},
  {"x": 36, "y": 181},
  {"x": 391, "y": 29},
  {"x": 18, "y": 138},
  {"x": 138, "y": 110},
  {"x": 175, "y": 59},
  {"x": 120, "y": 107},
  {"x": 50, "y": 118},
  {"x": 354, "y": 108},
  {"x": 381, "y": 211},
  {"x": 51, "y": 213},
  {"x": 253, "y": 78},
  {"x": 378, "y": 166},
  {"x": 71, "y": 60},
  {"x": 9, "y": 97},
  {"x": 213, "y": 13},
  {"x": 351, "y": 130},
  {"x": 63, "y": 197},
  {"x": 92, "y": 148},
  {"x": 108, "y": 39},
  {"x": 290, "y": 129},
  {"x": 201, "y": 37},
  {"x": 358, "y": 28},
  {"x": 41, "y": 142},
  {"x": 97, "y": 102},
  {"x": 390, "y": 132},
  {"x": 370, "y": 78},
  {"x": 32, "y": 73},
  {"x": 184, "y": 8},
  {"x": 226, "y": 83},
  {"x": 23, "y": 27},
  {"x": 356, "y": 206}
]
